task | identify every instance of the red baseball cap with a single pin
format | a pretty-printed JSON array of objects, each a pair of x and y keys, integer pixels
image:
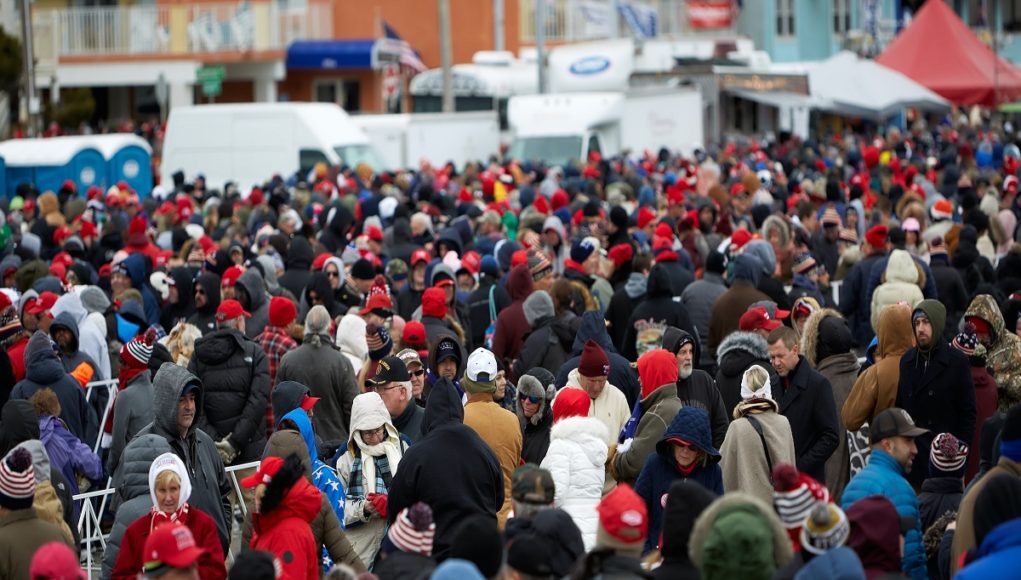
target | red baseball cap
[
  {"x": 472, "y": 262},
  {"x": 230, "y": 276},
  {"x": 419, "y": 256},
  {"x": 377, "y": 301},
  {"x": 43, "y": 303},
  {"x": 414, "y": 333},
  {"x": 308, "y": 402},
  {"x": 56, "y": 560},
  {"x": 264, "y": 474},
  {"x": 756, "y": 319},
  {"x": 229, "y": 310},
  {"x": 320, "y": 262},
  {"x": 170, "y": 545}
]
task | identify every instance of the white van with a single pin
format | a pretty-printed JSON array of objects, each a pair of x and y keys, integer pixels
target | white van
[{"x": 249, "y": 143}]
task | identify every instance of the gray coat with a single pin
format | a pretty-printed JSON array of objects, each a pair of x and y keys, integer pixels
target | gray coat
[
  {"x": 253, "y": 285},
  {"x": 133, "y": 411},
  {"x": 132, "y": 485},
  {"x": 329, "y": 376},
  {"x": 209, "y": 484},
  {"x": 698, "y": 298}
]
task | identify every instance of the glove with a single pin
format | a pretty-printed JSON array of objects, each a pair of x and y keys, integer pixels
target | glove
[
  {"x": 623, "y": 447},
  {"x": 226, "y": 450},
  {"x": 379, "y": 502}
]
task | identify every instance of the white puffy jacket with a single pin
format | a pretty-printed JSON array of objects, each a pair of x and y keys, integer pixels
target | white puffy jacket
[{"x": 577, "y": 460}]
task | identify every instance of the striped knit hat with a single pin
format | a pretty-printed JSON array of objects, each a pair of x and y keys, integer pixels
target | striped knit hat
[
  {"x": 413, "y": 530},
  {"x": 137, "y": 351},
  {"x": 947, "y": 456},
  {"x": 17, "y": 480},
  {"x": 967, "y": 341},
  {"x": 794, "y": 494},
  {"x": 825, "y": 529}
]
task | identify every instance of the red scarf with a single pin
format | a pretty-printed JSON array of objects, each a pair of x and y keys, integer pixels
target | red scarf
[
  {"x": 687, "y": 471},
  {"x": 159, "y": 518},
  {"x": 576, "y": 266},
  {"x": 127, "y": 374}
]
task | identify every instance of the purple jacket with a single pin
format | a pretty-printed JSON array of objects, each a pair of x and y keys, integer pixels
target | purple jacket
[{"x": 67, "y": 452}]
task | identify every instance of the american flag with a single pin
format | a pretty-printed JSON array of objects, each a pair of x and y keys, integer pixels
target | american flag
[{"x": 409, "y": 57}]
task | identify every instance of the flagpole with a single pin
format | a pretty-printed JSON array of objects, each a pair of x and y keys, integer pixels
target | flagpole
[
  {"x": 498, "y": 41},
  {"x": 446, "y": 56},
  {"x": 540, "y": 43}
]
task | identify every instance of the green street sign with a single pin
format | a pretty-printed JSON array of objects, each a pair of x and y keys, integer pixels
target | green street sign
[
  {"x": 211, "y": 73},
  {"x": 211, "y": 88}
]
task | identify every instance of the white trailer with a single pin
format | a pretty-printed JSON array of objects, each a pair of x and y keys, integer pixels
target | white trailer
[
  {"x": 559, "y": 128},
  {"x": 406, "y": 140}
]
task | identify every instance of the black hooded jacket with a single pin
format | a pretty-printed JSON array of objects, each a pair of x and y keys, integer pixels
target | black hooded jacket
[
  {"x": 171, "y": 314},
  {"x": 651, "y": 318},
  {"x": 402, "y": 246},
  {"x": 337, "y": 221},
  {"x": 455, "y": 485},
  {"x": 43, "y": 369},
  {"x": 205, "y": 318},
  {"x": 684, "y": 502},
  {"x": 622, "y": 374},
  {"x": 298, "y": 266},
  {"x": 478, "y": 307},
  {"x": 235, "y": 376},
  {"x": 319, "y": 283},
  {"x": 699, "y": 390}
]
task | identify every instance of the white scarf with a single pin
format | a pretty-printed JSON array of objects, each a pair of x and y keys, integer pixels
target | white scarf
[
  {"x": 391, "y": 447},
  {"x": 763, "y": 392}
]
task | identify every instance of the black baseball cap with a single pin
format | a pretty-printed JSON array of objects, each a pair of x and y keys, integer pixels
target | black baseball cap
[
  {"x": 391, "y": 369},
  {"x": 893, "y": 422},
  {"x": 532, "y": 484}
]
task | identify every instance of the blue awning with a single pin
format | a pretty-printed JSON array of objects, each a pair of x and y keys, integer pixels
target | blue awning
[{"x": 332, "y": 54}]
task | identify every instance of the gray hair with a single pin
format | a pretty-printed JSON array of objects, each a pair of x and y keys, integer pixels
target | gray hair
[
  {"x": 407, "y": 388},
  {"x": 317, "y": 325}
]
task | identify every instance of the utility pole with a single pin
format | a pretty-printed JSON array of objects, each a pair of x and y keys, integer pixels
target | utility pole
[
  {"x": 31, "y": 105},
  {"x": 498, "y": 41},
  {"x": 446, "y": 57},
  {"x": 540, "y": 43}
]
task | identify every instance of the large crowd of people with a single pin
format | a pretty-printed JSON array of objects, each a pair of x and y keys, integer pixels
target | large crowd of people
[{"x": 787, "y": 359}]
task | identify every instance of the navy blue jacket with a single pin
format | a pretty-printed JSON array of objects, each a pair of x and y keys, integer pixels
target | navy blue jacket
[
  {"x": 621, "y": 376},
  {"x": 691, "y": 425}
]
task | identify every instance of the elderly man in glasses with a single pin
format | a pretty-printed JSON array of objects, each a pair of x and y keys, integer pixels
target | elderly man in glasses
[{"x": 396, "y": 382}]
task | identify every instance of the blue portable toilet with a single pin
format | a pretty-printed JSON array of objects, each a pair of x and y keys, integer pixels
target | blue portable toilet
[
  {"x": 129, "y": 159},
  {"x": 49, "y": 162},
  {"x": 3, "y": 177}
]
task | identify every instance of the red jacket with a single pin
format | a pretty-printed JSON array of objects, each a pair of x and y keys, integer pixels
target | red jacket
[
  {"x": 130, "y": 559},
  {"x": 285, "y": 532},
  {"x": 986, "y": 401},
  {"x": 511, "y": 325}
]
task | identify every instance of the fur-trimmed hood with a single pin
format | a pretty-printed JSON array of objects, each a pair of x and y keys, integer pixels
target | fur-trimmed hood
[
  {"x": 735, "y": 502},
  {"x": 532, "y": 386},
  {"x": 749, "y": 342},
  {"x": 810, "y": 333}
]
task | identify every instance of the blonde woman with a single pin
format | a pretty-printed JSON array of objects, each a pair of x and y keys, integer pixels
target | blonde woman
[{"x": 374, "y": 451}]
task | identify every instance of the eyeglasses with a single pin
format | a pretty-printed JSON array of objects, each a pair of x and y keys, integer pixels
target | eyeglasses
[
  {"x": 530, "y": 398},
  {"x": 333, "y": 274},
  {"x": 418, "y": 373},
  {"x": 382, "y": 387},
  {"x": 374, "y": 433}
]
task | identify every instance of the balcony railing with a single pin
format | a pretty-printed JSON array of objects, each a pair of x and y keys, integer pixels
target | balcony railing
[
  {"x": 576, "y": 20},
  {"x": 176, "y": 30}
]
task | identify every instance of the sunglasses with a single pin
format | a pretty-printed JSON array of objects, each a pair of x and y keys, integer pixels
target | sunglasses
[
  {"x": 333, "y": 274},
  {"x": 530, "y": 398},
  {"x": 418, "y": 373}
]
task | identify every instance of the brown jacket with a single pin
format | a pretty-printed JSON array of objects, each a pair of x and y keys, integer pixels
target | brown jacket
[
  {"x": 499, "y": 428},
  {"x": 22, "y": 532},
  {"x": 876, "y": 388},
  {"x": 964, "y": 537},
  {"x": 727, "y": 311}
]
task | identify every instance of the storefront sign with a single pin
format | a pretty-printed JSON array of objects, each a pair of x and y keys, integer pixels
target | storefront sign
[{"x": 710, "y": 14}]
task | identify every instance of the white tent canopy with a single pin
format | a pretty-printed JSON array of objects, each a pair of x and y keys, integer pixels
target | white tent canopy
[{"x": 863, "y": 88}]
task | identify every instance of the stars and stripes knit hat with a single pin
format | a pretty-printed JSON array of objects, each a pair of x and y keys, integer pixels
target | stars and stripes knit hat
[
  {"x": 413, "y": 530},
  {"x": 947, "y": 456},
  {"x": 17, "y": 480},
  {"x": 795, "y": 494}
]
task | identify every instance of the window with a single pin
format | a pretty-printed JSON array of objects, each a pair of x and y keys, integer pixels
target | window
[
  {"x": 593, "y": 145},
  {"x": 785, "y": 18},
  {"x": 841, "y": 16},
  {"x": 342, "y": 92},
  {"x": 307, "y": 159}
]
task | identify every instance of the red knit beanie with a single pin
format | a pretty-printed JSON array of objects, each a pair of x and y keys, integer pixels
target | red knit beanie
[
  {"x": 593, "y": 362},
  {"x": 282, "y": 312},
  {"x": 571, "y": 402},
  {"x": 434, "y": 302}
]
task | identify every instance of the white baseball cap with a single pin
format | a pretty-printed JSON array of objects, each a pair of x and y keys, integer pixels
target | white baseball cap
[{"x": 481, "y": 366}]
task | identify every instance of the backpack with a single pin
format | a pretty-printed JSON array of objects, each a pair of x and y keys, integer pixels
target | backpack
[{"x": 487, "y": 341}]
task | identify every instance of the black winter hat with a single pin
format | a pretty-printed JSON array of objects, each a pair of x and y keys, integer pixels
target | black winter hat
[
  {"x": 478, "y": 540},
  {"x": 999, "y": 501},
  {"x": 618, "y": 217},
  {"x": 529, "y": 555},
  {"x": 253, "y": 565},
  {"x": 684, "y": 502},
  {"x": 363, "y": 269},
  {"x": 834, "y": 338}
]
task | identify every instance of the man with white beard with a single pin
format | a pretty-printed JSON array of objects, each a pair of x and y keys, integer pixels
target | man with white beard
[{"x": 695, "y": 387}]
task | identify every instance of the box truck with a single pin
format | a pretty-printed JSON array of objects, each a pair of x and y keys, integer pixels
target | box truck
[
  {"x": 565, "y": 127},
  {"x": 249, "y": 143}
]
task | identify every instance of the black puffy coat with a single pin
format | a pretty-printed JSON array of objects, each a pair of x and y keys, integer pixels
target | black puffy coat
[
  {"x": 478, "y": 307},
  {"x": 298, "y": 266},
  {"x": 455, "y": 485},
  {"x": 547, "y": 346},
  {"x": 235, "y": 375}
]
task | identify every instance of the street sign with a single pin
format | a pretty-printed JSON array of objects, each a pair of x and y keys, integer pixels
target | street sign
[{"x": 211, "y": 79}]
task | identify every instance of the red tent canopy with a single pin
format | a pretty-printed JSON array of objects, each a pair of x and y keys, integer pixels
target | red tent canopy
[{"x": 940, "y": 52}]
